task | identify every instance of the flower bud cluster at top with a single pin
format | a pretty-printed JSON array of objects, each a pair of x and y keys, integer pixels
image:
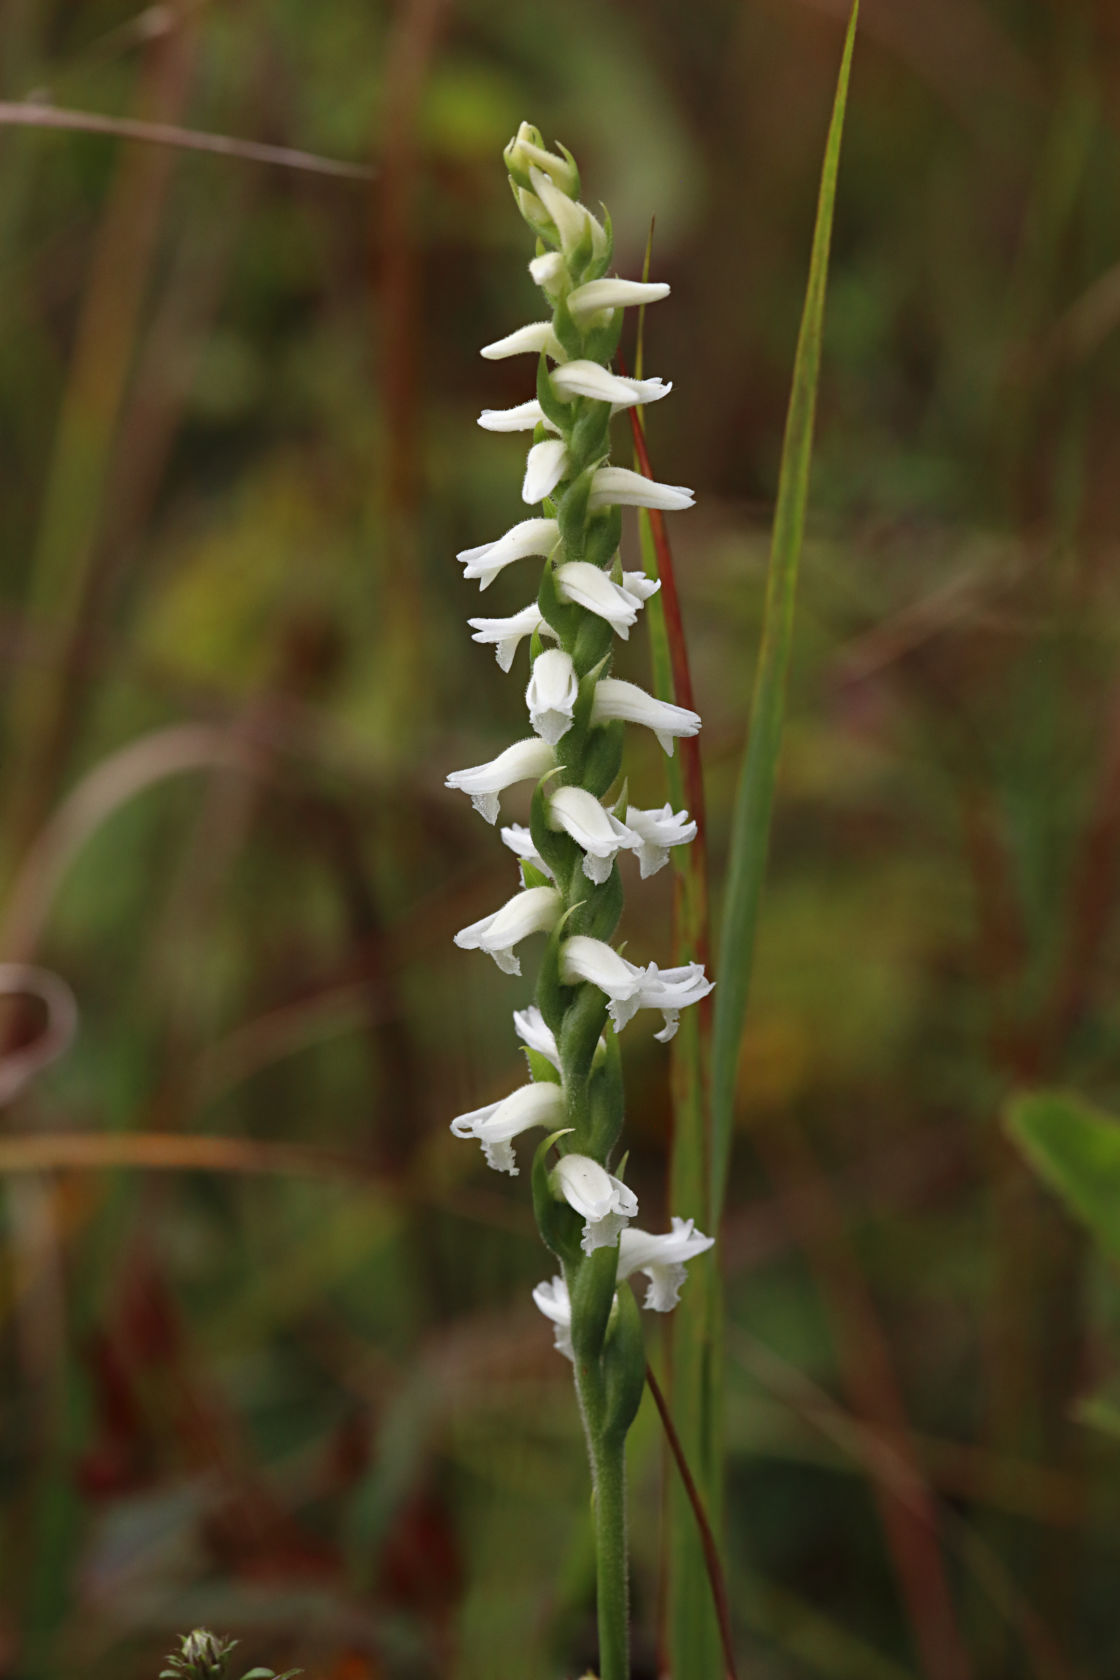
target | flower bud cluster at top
[{"x": 571, "y": 889}]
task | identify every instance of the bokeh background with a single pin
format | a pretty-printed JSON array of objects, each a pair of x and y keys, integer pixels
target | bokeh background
[{"x": 280, "y": 1374}]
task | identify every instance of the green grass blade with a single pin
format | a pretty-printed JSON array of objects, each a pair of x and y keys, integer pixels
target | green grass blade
[{"x": 754, "y": 801}]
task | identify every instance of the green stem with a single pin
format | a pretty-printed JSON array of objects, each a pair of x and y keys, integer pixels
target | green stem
[{"x": 607, "y": 1452}]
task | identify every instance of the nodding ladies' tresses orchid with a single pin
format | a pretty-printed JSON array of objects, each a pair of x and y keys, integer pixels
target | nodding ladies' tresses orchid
[{"x": 569, "y": 850}]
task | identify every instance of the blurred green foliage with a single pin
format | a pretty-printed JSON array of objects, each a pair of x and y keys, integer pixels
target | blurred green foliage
[{"x": 305, "y": 1398}]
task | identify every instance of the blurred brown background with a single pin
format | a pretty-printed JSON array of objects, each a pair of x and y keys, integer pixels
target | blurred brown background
[{"x": 294, "y": 1388}]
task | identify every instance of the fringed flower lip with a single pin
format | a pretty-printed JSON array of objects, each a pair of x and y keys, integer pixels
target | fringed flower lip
[
  {"x": 552, "y": 694},
  {"x": 507, "y": 634},
  {"x": 594, "y": 829},
  {"x": 657, "y": 831},
  {"x": 528, "y": 537},
  {"x": 497, "y": 1124},
  {"x": 524, "y": 761},
  {"x": 615, "y": 699},
  {"x": 630, "y": 988},
  {"x": 604, "y": 1202},
  {"x": 662, "y": 1259},
  {"x": 533, "y": 910}
]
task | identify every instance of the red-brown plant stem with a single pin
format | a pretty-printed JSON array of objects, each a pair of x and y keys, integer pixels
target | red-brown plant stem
[{"x": 707, "y": 1538}]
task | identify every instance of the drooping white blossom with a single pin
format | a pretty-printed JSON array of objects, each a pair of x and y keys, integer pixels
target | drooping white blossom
[
  {"x": 619, "y": 487},
  {"x": 552, "y": 694},
  {"x": 604, "y": 1202},
  {"x": 519, "y": 839},
  {"x": 625, "y": 700},
  {"x": 522, "y": 418},
  {"x": 671, "y": 990},
  {"x": 594, "y": 295},
  {"x": 553, "y": 1300},
  {"x": 588, "y": 587},
  {"x": 529, "y": 1024},
  {"x": 533, "y": 910},
  {"x": 593, "y": 828},
  {"x": 657, "y": 831},
  {"x": 589, "y": 379},
  {"x": 585, "y": 959},
  {"x": 497, "y": 1124},
  {"x": 528, "y": 537},
  {"x": 545, "y": 467},
  {"x": 528, "y": 340},
  {"x": 507, "y": 634},
  {"x": 662, "y": 1259},
  {"x": 524, "y": 761}
]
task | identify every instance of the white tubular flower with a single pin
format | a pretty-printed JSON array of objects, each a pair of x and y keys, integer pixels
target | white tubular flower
[
  {"x": 545, "y": 467},
  {"x": 619, "y": 487},
  {"x": 522, "y": 418},
  {"x": 533, "y": 910},
  {"x": 530, "y": 340},
  {"x": 662, "y": 1259},
  {"x": 552, "y": 694},
  {"x": 592, "y": 827},
  {"x": 582, "y": 958},
  {"x": 496, "y": 1125},
  {"x": 549, "y": 271},
  {"x": 527, "y": 537},
  {"x": 603, "y": 1201},
  {"x": 525, "y": 761},
  {"x": 553, "y": 1300},
  {"x": 588, "y": 379},
  {"x": 507, "y": 634},
  {"x": 578, "y": 582},
  {"x": 588, "y": 587},
  {"x": 614, "y": 294},
  {"x": 617, "y": 699},
  {"x": 639, "y": 586},
  {"x": 572, "y": 219},
  {"x": 671, "y": 990},
  {"x": 529, "y": 1025},
  {"x": 519, "y": 839},
  {"x": 656, "y": 831},
  {"x": 525, "y": 152}
]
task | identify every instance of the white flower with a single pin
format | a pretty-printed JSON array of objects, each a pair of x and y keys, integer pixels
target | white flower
[
  {"x": 525, "y": 152},
  {"x": 571, "y": 219},
  {"x": 545, "y": 467},
  {"x": 671, "y": 990},
  {"x": 603, "y": 1201},
  {"x": 592, "y": 589},
  {"x": 529, "y": 536},
  {"x": 591, "y": 826},
  {"x": 640, "y": 586},
  {"x": 552, "y": 694},
  {"x": 530, "y": 1027},
  {"x": 662, "y": 1259},
  {"x": 520, "y": 841},
  {"x": 496, "y": 1125},
  {"x": 523, "y": 418},
  {"x": 656, "y": 832},
  {"x": 534, "y": 338},
  {"x": 507, "y": 634},
  {"x": 549, "y": 271},
  {"x": 582, "y": 958},
  {"x": 533, "y": 910},
  {"x": 614, "y": 294},
  {"x": 525, "y": 761},
  {"x": 588, "y": 379},
  {"x": 617, "y": 699},
  {"x": 555, "y": 1303},
  {"x": 619, "y": 487},
  {"x": 630, "y": 988}
]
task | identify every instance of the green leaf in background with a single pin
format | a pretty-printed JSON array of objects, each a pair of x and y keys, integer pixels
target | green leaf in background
[{"x": 1074, "y": 1147}]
